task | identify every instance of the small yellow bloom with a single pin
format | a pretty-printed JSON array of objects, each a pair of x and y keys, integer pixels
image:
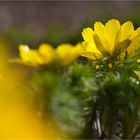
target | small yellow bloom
[
  {"x": 64, "y": 54},
  {"x": 109, "y": 40}
]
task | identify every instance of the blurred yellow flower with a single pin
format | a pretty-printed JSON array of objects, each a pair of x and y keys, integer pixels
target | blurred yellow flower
[
  {"x": 109, "y": 40},
  {"x": 63, "y": 55},
  {"x": 67, "y": 53}
]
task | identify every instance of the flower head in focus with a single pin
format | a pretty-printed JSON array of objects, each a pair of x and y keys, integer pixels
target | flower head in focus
[
  {"x": 63, "y": 55},
  {"x": 109, "y": 41}
]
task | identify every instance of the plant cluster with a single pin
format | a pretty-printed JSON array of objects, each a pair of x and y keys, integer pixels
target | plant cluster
[{"x": 92, "y": 89}]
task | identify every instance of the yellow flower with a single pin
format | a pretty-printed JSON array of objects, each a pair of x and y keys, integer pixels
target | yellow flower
[
  {"x": 109, "y": 40},
  {"x": 63, "y": 55}
]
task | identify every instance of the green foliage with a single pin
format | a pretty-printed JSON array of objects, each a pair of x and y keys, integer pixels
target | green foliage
[
  {"x": 68, "y": 94},
  {"x": 74, "y": 99},
  {"x": 74, "y": 94},
  {"x": 118, "y": 103}
]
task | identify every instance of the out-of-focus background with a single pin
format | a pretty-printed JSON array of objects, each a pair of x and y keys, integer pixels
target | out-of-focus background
[
  {"x": 38, "y": 22},
  {"x": 59, "y": 21}
]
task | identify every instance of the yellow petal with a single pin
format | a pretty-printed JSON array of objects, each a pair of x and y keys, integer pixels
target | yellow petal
[
  {"x": 88, "y": 55},
  {"x": 87, "y": 34},
  {"x": 90, "y": 51},
  {"x": 135, "y": 37},
  {"x": 121, "y": 47},
  {"x": 91, "y": 48},
  {"x": 99, "y": 27},
  {"x": 35, "y": 57},
  {"x": 100, "y": 45},
  {"x": 89, "y": 43},
  {"x": 47, "y": 53},
  {"x": 67, "y": 53},
  {"x": 100, "y": 31},
  {"x": 112, "y": 28},
  {"x": 29, "y": 56},
  {"x": 24, "y": 51},
  {"x": 134, "y": 45},
  {"x": 125, "y": 31},
  {"x": 135, "y": 34}
]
